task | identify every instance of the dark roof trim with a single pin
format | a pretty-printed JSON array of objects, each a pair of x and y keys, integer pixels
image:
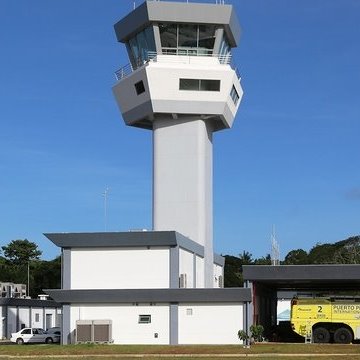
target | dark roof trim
[
  {"x": 115, "y": 239},
  {"x": 129, "y": 239},
  {"x": 108, "y": 296},
  {"x": 327, "y": 273},
  {"x": 219, "y": 260},
  {"x": 28, "y": 302}
]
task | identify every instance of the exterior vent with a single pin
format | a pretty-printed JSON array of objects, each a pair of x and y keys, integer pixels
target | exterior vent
[
  {"x": 93, "y": 331},
  {"x": 221, "y": 281},
  {"x": 182, "y": 281}
]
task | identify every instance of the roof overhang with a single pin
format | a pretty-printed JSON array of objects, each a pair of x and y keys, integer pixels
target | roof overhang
[
  {"x": 129, "y": 239},
  {"x": 179, "y": 12},
  {"x": 28, "y": 302},
  {"x": 112, "y": 296}
]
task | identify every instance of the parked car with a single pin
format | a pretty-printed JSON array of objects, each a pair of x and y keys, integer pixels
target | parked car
[
  {"x": 55, "y": 331},
  {"x": 34, "y": 335}
]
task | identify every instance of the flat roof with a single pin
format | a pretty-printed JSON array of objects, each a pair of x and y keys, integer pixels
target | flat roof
[
  {"x": 28, "y": 302},
  {"x": 129, "y": 239},
  {"x": 150, "y": 295},
  {"x": 179, "y": 12}
]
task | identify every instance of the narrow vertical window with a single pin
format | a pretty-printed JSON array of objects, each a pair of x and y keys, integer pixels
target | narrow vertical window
[{"x": 234, "y": 95}]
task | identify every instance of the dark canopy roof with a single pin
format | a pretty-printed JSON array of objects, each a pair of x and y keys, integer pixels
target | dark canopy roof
[{"x": 310, "y": 277}]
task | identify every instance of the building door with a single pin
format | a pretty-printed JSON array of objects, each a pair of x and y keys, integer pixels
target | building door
[{"x": 48, "y": 321}]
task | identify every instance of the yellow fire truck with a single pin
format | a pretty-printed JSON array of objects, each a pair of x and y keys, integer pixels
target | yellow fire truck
[{"x": 330, "y": 319}]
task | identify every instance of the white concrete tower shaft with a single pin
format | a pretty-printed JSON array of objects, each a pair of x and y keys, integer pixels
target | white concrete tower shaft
[
  {"x": 181, "y": 85},
  {"x": 182, "y": 182}
]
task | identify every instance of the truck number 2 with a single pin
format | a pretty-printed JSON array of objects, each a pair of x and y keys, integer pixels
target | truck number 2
[{"x": 319, "y": 309}]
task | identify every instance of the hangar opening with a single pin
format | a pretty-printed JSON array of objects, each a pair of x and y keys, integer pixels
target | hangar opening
[{"x": 273, "y": 287}]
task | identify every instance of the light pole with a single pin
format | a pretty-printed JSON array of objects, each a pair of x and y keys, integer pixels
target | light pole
[{"x": 28, "y": 277}]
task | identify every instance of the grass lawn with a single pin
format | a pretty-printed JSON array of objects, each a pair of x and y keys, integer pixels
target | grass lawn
[{"x": 266, "y": 351}]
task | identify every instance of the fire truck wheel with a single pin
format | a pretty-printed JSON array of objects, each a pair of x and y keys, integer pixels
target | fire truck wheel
[
  {"x": 342, "y": 336},
  {"x": 321, "y": 335}
]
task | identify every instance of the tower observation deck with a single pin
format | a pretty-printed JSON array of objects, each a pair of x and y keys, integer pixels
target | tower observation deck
[{"x": 181, "y": 85}]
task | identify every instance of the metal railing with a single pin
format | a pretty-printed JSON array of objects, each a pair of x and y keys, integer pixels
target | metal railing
[{"x": 184, "y": 56}]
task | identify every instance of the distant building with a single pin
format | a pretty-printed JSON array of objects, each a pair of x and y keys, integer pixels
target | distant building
[
  {"x": 17, "y": 313},
  {"x": 11, "y": 290}
]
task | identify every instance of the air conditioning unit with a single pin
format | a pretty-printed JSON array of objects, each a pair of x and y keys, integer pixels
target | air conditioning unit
[
  {"x": 93, "y": 331},
  {"x": 182, "y": 281}
]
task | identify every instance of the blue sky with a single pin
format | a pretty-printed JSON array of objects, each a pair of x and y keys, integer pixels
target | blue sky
[{"x": 291, "y": 159}]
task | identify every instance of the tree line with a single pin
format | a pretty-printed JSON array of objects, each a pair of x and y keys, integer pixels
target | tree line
[
  {"x": 341, "y": 252},
  {"x": 19, "y": 255}
]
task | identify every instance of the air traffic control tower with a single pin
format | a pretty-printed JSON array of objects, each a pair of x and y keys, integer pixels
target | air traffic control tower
[{"x": 181, "y": 85}]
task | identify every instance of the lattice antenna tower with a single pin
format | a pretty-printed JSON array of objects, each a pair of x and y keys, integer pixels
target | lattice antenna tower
[{"x": 275, "y": 249}]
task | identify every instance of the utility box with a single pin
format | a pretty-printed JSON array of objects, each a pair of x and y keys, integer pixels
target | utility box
[{"x": 93, "y": 331}]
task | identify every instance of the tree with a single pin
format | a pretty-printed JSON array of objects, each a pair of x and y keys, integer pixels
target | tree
[
  {"x": 20, "y": 252},
  {"x": 18, "y": 255},
  {"x": 246, "y": 258},
  {"x": 322, "y": 253},
  {"x": 232, "y": 272},
  {"x": 296, "y": 257},
  {"x": 264, "y": 260}
]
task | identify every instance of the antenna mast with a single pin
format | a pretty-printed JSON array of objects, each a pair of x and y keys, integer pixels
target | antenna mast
[
  {"x": 275, "y": 249},
  {"x": 105, "y": 195}
]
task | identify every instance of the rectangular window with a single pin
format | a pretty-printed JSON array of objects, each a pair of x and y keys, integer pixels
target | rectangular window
[
  {"x": 168, "y": 35},
  {"x": 234, "y": 95},
  {"x": 188, "y": 35},
  {"x": 210, "y": 85},
  {"x": 199, "y": 85},
  {"x": 207, "y": 37},
  {"x": 189, "y": 84},
  {"x": 37, "y": 317},
  {"x": 144, "y": 319},
  {"x": 139, "y": 87}
]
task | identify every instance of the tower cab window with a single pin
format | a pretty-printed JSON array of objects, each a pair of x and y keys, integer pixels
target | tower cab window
[
  {"x": 140, "y": 45},
  {"x": 187, "y": 39}
]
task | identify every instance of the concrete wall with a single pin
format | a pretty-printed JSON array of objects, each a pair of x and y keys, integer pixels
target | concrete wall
[
  {"x": 125, "y": 322},
  {"x": 125, "y": 268},
  {"x": 186, "y": 266},
  {"x": 210, "y": 323},
  {"x": 200, "y": 272},
  {"x": 199, "y": 323},
  {"x": 218, "y": 271}
]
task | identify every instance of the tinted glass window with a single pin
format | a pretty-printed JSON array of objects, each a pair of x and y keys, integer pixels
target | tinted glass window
[
  {"x": 188, "y": 35},
  {"x": 189, "y": 84},
  {"x": 134, "y": 48},
  {"x": 26, "y": 331},
  {"x": 168, "y": 35},
  {"x": 206, "y": 36},
  {"x": 139, "y": 87},
  {"x": 210, "y": 85},
  {"x": 199, "y": 85},
  {"x": 234, "y": 95},
  {"x": 141, "y": 44},
  {"x": 149, "y": 36}
]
